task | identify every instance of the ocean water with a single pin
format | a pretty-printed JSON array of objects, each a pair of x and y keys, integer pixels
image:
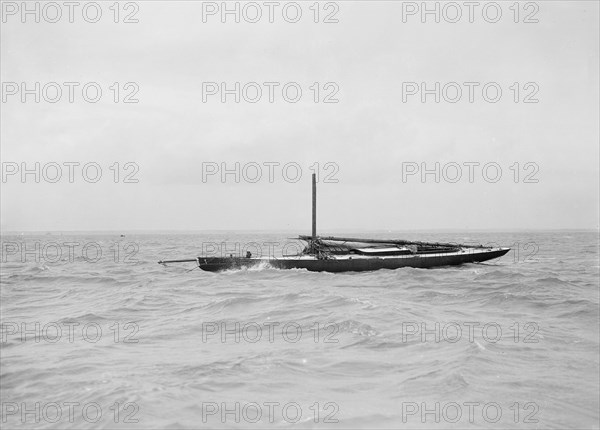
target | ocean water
[{"x": 96, "y": 334}]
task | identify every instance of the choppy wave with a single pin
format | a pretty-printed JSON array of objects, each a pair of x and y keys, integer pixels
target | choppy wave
[{"x": 359, "y": 347}]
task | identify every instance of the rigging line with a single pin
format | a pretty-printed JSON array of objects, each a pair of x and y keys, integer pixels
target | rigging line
[{"x": 196, "y": 267}]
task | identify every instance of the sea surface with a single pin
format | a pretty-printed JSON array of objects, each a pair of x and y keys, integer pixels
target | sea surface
[{"x": 96, "y": 334}]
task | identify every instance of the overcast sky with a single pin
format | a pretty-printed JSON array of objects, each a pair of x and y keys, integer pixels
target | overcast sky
[{"x": 372, "y": 135}]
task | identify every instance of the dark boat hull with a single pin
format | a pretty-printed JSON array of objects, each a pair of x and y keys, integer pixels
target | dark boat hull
[{"x": 354, "y": 263}]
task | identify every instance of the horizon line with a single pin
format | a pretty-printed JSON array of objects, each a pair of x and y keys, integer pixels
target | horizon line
[{"x": 384, "y": 230}]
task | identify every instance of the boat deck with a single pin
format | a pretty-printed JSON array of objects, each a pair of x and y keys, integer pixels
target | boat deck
[{"x": 463, "y": 251}]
